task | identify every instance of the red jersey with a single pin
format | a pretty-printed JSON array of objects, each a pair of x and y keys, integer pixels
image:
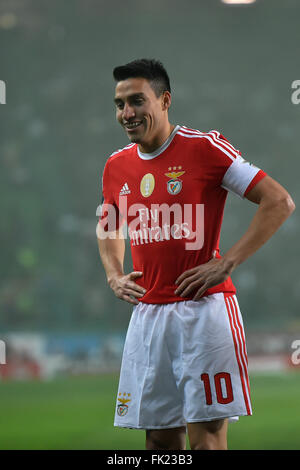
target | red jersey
[{"x": 173, "y": 202}]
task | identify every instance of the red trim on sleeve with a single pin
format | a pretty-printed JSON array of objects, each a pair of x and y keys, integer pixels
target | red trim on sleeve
[{"x": 259, "y": 176}]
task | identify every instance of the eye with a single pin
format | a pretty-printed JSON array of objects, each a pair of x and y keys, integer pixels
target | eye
[{"x": 119, "y": 105}]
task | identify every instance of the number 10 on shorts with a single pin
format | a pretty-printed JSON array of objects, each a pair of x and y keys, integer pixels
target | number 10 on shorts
[{"x": 218, "y": 378}]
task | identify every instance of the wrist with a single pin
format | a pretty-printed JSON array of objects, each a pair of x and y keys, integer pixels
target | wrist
[
  {"x": 112, "y": 277},
  {"x": 229, "y": 264}
]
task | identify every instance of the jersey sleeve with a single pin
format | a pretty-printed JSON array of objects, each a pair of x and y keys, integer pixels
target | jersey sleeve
[
  {"x": 109, "y": 218},
  {"x": 236, "y": 174}
]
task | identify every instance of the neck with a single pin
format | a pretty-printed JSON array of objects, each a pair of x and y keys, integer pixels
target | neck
[{"x": 158, "y": 140}]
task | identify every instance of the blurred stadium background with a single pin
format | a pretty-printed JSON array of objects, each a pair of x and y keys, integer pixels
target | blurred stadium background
[{"x": 231, "y": 69}]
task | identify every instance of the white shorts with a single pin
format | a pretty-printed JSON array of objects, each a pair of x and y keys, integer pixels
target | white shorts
[{"x": 183, "y": 362}]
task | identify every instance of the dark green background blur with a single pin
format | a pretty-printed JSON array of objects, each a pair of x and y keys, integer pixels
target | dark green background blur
[{"x": 231, "y": 69}]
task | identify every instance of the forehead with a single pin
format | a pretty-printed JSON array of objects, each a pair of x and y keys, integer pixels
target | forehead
[{"x": 133, "y": 86}]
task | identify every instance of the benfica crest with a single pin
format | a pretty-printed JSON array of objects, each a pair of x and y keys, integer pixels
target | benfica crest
[
  {"x": 174, "y": 185},
  {"x": 122, "y": 408}
]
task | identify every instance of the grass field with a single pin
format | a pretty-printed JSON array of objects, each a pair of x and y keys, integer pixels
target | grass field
[{"x": 77, "y": 413}]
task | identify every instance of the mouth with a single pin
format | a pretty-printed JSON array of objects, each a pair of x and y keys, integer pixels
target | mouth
[{"x": 132, "y": 125}]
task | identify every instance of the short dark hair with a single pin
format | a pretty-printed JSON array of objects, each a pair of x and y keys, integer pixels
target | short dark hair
[{"x": 151, "y": 69}]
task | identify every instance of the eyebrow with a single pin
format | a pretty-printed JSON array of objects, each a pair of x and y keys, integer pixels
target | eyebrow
[{"x": 134, "y": 95}]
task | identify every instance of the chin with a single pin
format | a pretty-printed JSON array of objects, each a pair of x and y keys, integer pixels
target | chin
[{"x": 134, "y": 139}]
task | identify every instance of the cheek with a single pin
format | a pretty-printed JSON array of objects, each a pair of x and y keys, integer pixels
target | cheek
[
  {"x": 150, "y": 115},
  {"x": 156, "y": 113}
]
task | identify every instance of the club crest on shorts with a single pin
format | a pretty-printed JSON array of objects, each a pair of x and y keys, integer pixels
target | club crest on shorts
[
  {"x": 174, "y": 185},
  {"x": 122, "y": 408},
  {"x": 147, "y": 185}
]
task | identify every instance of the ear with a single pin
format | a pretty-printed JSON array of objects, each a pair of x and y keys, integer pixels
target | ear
[{"x": 166, "y": 100}]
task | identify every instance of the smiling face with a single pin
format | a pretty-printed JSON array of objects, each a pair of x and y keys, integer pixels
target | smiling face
[{"x": 142, "y": 114}]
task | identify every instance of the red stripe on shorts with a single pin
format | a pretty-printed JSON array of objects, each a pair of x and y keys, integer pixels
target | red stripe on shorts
[
  {"x": 238, "y": 341},
  {"x": 244, "y": 356}
]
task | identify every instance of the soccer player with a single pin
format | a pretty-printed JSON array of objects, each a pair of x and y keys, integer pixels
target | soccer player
[{"x": 184, "y": 365}]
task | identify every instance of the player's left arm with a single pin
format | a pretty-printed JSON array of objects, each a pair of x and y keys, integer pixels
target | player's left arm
[{"x": 275, "y": 205}]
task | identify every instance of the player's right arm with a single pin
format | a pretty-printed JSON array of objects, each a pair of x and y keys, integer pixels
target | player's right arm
[
  {"x": 112, "y": 251},
  {"x": 112, "y": 246}
]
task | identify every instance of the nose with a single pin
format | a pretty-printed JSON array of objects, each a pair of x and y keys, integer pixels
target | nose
[{"x": 128, "y": 112}]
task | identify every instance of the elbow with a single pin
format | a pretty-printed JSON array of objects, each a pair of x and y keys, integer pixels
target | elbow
[
  {"x": 289, "y": 204},
  {"x": 282, "y": 204},
  {"x": 285, "y": 206}
]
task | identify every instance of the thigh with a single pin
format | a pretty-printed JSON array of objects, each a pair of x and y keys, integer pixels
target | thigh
[
  {"x": 148, "y": 396},
  {"x": 171, "y": 439},
  {"x": 209, "y": 435},
  {"x": 215, "y": 377}
]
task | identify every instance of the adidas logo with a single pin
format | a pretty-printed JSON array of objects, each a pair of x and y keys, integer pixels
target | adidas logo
[{"x": 125, "y": 190}]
